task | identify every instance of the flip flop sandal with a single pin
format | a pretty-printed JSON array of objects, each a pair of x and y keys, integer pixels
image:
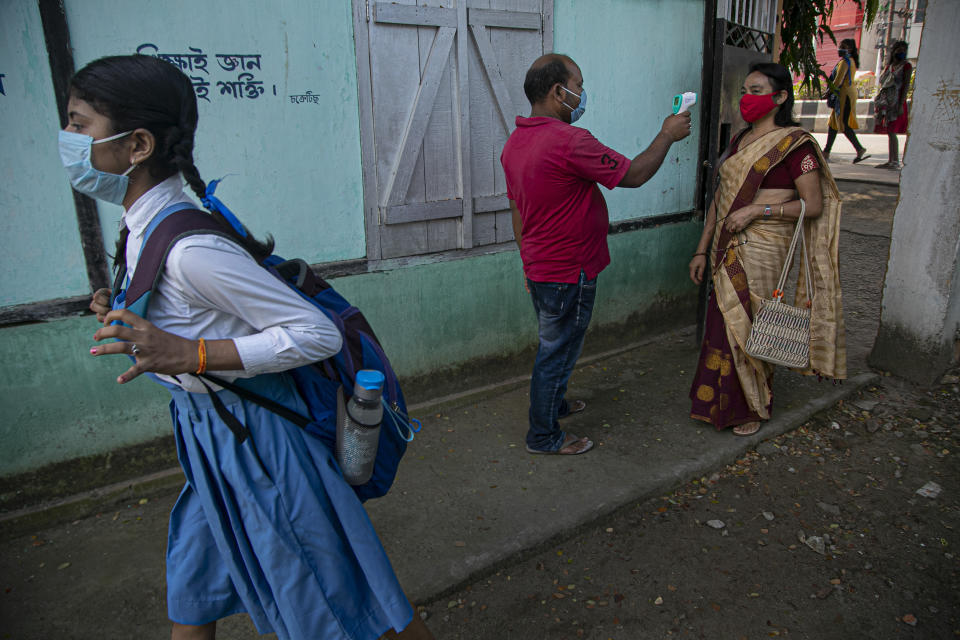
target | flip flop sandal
[
  {"x": 747, "y": 433},
  {"x": 573, "y": 407},
  {"x": 859, "y": 159},
  {"x": 572, "y": 446}
]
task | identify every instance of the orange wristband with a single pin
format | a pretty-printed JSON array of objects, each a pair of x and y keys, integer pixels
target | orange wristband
[{"x": 202, "y": 351}]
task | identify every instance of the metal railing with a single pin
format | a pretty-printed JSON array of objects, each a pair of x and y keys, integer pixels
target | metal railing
[
  {"x": 746, "y": 38},
  {"x": 759, "y": 15}
]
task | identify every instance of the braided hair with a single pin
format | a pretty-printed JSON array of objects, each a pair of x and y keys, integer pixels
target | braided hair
[{"x": 144, "y": 92}]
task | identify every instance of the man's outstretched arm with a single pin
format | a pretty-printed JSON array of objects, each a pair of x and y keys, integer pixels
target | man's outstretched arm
[{"x": 646, "y": 164}]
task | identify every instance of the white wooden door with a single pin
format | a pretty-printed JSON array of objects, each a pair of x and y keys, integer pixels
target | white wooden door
[{"x": 440, "y": 87}]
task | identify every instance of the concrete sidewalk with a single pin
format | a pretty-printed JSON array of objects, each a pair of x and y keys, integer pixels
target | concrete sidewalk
[
  {"x": 468, "y": 498},
  {"x": 472, "y": 498},
  {"x": 866, "y": 171}
]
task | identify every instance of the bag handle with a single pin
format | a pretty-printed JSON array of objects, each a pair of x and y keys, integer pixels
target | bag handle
[
  {"x": 806, "y": 268},
  {"x": 798, "y": 235}
]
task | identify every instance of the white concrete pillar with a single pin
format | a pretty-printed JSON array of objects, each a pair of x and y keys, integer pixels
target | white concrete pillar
[{"x": 920, "y": 316}]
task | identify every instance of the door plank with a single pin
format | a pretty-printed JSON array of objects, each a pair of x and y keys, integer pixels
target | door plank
[
  {"x": 392, "y": 13},
  {"x": 421, "y": 211},
  {"x": 489, "y": 60},
  {"x": 399, "y": 177},
  {"x": 504, "y": 19},
  {"x": 486, "y": 204},
  {"x": 463, "y": 130}
]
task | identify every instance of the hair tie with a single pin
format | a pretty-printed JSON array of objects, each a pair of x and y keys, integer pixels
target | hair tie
[{"x": 213, "y": 203}]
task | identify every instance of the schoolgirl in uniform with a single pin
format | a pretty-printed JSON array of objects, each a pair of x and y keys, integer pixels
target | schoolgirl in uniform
[{"x": 266, "y": 525}]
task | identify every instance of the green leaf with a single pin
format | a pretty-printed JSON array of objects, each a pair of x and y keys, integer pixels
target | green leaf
[{"x": 804, "y": 23}]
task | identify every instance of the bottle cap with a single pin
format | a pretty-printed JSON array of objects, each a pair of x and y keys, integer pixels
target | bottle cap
[{"x": 369, "y": 379}]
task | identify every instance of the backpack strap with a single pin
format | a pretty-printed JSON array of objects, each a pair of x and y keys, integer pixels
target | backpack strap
[
  {"x": 266, "y": 403},
  {"x": 163, "y": 232}
]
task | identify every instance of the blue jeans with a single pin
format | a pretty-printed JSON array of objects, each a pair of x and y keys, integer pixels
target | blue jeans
[{"x": 563, "y": 313}]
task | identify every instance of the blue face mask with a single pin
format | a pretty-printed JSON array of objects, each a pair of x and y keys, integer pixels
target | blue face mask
[
  {"x": 75, "y": 150},
  {"x": 581, "y": 108},
  {"x": 900, "y": 56}
]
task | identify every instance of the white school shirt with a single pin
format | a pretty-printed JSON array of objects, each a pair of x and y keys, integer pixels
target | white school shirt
[{"x": 212, "y": 288}]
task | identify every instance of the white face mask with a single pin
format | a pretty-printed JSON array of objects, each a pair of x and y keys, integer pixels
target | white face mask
[
  {"x": 581, "y": 108},
  {"x": 75, "y": 151}
]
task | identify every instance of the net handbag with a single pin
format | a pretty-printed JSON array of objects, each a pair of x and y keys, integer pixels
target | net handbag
[{"x": 781, "y": 332}]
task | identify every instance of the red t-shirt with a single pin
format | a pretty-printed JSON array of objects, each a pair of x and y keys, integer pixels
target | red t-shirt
[{"x": 552, "y": 171}]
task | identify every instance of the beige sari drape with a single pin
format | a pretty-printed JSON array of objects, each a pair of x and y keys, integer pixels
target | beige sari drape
[{"x": 746, "y": 266}]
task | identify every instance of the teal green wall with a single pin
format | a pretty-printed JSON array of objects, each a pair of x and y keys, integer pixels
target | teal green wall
[
  {"x": 60, "y": 403},
  {"x": 42, "y": 257},
  {"x": 635, "y": 55},
  {"x": 311, "y": 150},
  {"x": 437, "y": 315},
  {"x": 301, "y": 163}
]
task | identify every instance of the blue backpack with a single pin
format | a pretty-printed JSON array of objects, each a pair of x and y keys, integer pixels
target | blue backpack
[{"x": 317, "y": 382}]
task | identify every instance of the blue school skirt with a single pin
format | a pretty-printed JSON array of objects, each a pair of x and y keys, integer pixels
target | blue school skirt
[{"x": 270, "y": 527}]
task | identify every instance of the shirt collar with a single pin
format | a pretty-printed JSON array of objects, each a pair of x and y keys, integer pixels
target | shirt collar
[
  {"x": 537, "y": 121},
  {"x": 168, "y": 192}
]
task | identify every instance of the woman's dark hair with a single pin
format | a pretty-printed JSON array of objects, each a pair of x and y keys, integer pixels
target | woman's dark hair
[
  {"x": 781, "y": 80},
  {"x": 143, "y": 92},
  {"x": 539, "y": 79},
  {"x": 851, "y": 45},
  {"x": 899, "y": 44}
]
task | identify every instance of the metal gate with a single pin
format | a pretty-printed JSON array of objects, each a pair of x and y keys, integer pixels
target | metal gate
[{"x": 734, "y": 48}]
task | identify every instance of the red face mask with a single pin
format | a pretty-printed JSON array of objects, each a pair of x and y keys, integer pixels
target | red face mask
[{"x": 753, "y": 107}]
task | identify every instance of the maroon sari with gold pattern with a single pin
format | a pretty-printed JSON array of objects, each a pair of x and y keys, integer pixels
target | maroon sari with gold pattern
[{"x": 729, "y": 387}]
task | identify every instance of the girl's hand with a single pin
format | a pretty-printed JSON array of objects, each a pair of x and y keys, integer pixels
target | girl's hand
[
  {"x": 742, "y": 217},
  {"x": 155, "y": 350},
  {"x": 100, "y": 304},
  {"x": 697, "y": 268}
]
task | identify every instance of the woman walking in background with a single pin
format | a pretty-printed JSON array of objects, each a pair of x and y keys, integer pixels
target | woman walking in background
[
  {"x": 266, "y": 523},
  {"x": 890, "y": 104},
  {"x": 772, "y": 171},
  {"x": 844, "y": 115}
]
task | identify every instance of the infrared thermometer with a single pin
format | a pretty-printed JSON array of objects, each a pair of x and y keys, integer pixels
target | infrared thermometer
[{"x": 684, "y": 101}]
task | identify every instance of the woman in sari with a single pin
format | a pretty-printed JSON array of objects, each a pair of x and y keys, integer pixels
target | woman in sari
[{"x": 771, "y": 172}]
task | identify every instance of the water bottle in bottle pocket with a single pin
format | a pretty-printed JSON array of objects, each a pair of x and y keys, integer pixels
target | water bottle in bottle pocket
[{"x": 358, "y": 426}]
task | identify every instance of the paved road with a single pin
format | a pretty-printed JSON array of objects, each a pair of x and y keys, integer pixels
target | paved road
[{"x": 841, "y": 159}]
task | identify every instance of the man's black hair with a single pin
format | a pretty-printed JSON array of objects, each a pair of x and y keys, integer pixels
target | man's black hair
[{"x": 539, "y": 79}]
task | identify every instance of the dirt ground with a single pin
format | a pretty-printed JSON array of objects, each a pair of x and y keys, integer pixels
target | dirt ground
[{"x": 822, "y": 533}]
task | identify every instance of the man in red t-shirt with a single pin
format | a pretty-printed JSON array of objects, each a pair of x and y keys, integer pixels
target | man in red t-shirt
[{"x": 560, "y": 224}]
